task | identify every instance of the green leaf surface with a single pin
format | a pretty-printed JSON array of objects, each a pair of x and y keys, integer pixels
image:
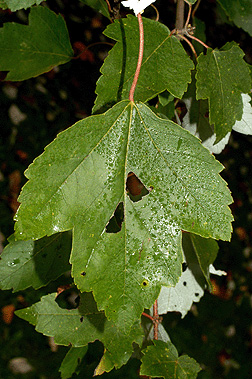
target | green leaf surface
[
  {"x": 82, "y": 325},
  {"x": 15, "y": 5},
  {"x": 217, "y": 83},
  {"x": 71, "y": 361},
  {"x": 34, "y": 263},
  {"x": 3, "y": 4},
  {"x": 165, "y": 63},
  {"x": 79, "y": 181},
  {"x": 240, "y": 12},
  {"x": 98, "y": 5},
  {"x": 161, "y": 360},
  {"x": 30, "y": 50}
]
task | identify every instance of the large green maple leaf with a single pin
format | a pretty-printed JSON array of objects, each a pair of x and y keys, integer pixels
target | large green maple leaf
[
  {"x": 222, "y": 76},
  {"x": 165, "y": 63},
  {"x": 79, "y": 181},
  {"x": 30, "y": 50}
]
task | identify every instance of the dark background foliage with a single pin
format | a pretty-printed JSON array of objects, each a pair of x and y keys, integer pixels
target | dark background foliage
[{"x": 217, "y": 332}]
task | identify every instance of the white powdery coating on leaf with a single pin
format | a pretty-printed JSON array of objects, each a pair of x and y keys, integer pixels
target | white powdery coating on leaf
[{"x": 138, "y": 6}]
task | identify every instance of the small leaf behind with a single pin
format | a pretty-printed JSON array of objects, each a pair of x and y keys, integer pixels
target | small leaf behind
[
  {"x": 217, "y": 83},
  {"x": 15, "y": 5},
  {"x": 240, "y": 12},
  {"x": 71, "y": 361},
  {"x": 161, "y": 360},
  {"x": 30, "y": 50},
  {"x": 80, "y": 326},
  {"x": 165, "y": 63}
]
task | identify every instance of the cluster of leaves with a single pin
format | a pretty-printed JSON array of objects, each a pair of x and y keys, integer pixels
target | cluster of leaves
[{"x": 80, "y": 183}]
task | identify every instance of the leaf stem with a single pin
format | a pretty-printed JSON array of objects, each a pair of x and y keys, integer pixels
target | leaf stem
[
  {"x": 189, "y": 43},
  {"x": 198, "y": 40},
  {"x": 148, "y": 316},
  {"x": 156, "y": 320},
  {"x": 140, "y": 58}
]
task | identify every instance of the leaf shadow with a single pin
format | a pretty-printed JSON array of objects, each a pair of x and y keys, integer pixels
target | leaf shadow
[
  {"x": 51, "y": 256},
  {"x": 124, "y": 55},
  {"x": 88, "y": 310},
  {"x": 192, "y": 261}
]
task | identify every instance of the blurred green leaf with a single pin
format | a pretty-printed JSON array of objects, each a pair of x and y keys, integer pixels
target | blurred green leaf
[
  {"x": 206, "y": 250},
  {"x": 3, "y": 4},
  {"x": 191, "y": 1},
  {"x": 99, "y": 6},
  {"x": 15, "y": 5},
  {"x": 161, "y": 360},
  {"x": 71, "y": 361},
  {"x": 30, "y": 50},
  {"x": 240, "y": 12},
  {"x": 165, "y": 63}
]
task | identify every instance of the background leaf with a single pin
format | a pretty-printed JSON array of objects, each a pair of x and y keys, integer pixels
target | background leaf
[
  {"x": 245, "y": 125},
  {"x": 27, "y": 51},
  {"x": 165, "y": 63},
  {"x": 181, "y": 297},
  {"x": 15, "y": 5},
  {"x": 34, "y": 263},
  {"x": 240, "y": 12},
  {"x": 205, "y": 249},
  {"x": 199, "y": 254},
  {"x": 81, "y": 326},
  {"x": 71, "y": 361},
  {"x": 161, "y": 360},
  {"x": 99, "y": 5},
  {"x": 196, "y": 121},
  {"x": 191, "y": 1},
  {"x": 3, "y": 4},
  {"x": 217, "y": 83}
]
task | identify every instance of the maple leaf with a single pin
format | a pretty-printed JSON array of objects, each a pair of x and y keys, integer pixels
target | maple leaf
[
  {"x": 80, "y": 179},
  {"x": 30, "y": 50}
]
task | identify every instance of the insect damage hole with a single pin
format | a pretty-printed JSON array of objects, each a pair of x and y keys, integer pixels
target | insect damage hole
[
  {"x": 115, "y": 223},
  {"x": 145, "y": 283},
  {"x": 135, "y": 188}
]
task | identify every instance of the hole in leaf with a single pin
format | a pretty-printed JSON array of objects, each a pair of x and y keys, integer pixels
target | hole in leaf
[
  {"x": 83, "y": 273},
  {"x": 184, "y": 266},
  {"x": 3, "y": 75},
  {"x": 135, "y": 188},
  {"x": 81, "y": 319},
  {"x": 67, "y": 299},
  {"x": 184, "y": 283},
  {"x": 196, "y": 294},
  {"x": 115, "y": 223},
  {"x": 145, "y": 283}
]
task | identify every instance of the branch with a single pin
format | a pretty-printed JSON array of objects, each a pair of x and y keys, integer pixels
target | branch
[{"x": 180, "y": 14}]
